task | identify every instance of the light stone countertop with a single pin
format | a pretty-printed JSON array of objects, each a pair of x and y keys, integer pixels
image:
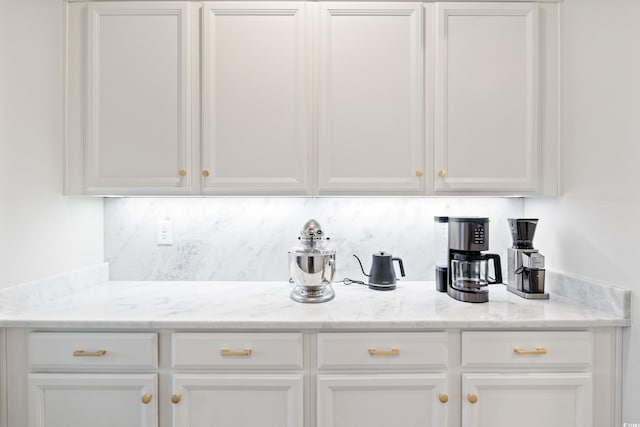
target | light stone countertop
[{"x": 188, "y": 305}]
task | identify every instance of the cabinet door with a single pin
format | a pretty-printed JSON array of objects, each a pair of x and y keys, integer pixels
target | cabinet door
[
  {"x": 97, "y": 400},
  {"x": 527, "y": 400},
  {"x": 138, "y": 121},
  {"x": 209, "y": 400},
  {"x": 370, "y": 103},
  {"x": 418, "y": 400},
  {"x": 486, "y": 125},
  {"x": 255, "y": 98}
]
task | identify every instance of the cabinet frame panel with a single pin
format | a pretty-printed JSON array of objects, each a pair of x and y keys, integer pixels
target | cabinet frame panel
[
  {"x": 581, "y": 383},
  {"x": 448, "y": 183},
  {"x": 214, "y": 183},
  {"x": 40, "y": 383},
  {"x": 410, "y": 183},
  {"x": 95, "y": 183},
  {"x": 293, "y": 384}
]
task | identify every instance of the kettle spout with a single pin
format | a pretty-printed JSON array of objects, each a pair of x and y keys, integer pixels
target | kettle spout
[{"x": 360, "y": 262}]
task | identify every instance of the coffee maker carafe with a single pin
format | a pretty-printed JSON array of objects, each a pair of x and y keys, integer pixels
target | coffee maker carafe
[
  {"x": 468, "y": 275},
  {"x": 525, "y": 265}
]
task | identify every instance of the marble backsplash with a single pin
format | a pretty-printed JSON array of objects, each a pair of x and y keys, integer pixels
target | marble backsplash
[{"x": 248, "y": 238}]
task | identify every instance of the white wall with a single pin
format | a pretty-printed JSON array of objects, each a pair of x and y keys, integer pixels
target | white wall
[
  {"x": 592, "y": 230},
  {"x": 42, "y": 232}
]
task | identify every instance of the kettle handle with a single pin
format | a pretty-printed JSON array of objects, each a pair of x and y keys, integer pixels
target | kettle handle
[
  {"x": 401, "y": 265},
  {"x": 361, "y": 267},
  {"x": 496, "y": 267}
]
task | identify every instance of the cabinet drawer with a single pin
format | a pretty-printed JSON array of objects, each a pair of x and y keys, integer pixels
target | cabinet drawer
[
  {"x": 244, "y": 350},
  {"x": 527, "y": 349},
  {"x": 88, "y": 351},
  {"x": 415, "y": 350}
]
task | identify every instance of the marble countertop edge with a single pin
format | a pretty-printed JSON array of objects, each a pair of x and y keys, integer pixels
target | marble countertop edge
[
  {"x": 307, "y": 326},
  {"x": 91, "y": 301}
]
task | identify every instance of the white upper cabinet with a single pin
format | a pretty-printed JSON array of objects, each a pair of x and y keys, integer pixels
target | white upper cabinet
[
  {"x": 255, "y": 115},
  {"x": 487, "y": 135},
  {"x": 370, "y": 136},
  {"x": 305, "y": 98},
  {"x": 137, "y": 130}
]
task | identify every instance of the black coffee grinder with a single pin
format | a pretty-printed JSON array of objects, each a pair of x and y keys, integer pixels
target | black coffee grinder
[{"x": 468, "y": 267}]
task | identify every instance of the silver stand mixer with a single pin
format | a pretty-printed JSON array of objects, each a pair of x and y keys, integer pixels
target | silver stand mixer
[{"x": 311, "y": 266}]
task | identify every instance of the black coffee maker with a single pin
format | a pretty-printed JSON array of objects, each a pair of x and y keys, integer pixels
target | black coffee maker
[{"x": 468, "y": 267}]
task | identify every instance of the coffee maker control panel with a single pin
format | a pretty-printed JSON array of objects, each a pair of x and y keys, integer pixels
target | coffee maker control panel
[{"x": 478, "y": 234}]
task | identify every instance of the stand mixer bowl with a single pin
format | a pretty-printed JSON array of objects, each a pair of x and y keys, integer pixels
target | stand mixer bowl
[{"x": 312, "y": 269}]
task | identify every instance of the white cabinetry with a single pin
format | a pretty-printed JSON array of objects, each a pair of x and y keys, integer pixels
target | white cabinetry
[
  {"x": 487, "y": 106},
  {"x": 370, "y": 108},
  {"x": 266, "y": 391},
  {"x": 231, "y": 98},
  {"x": 255, "y": 97},
  {"x": 527, "y": 400},
  {"x": 137, "y": 123},
  {"x": 319, "y": 379},
  {"x": 527, "y": 379},
  {"x": 63, "y": 394},
  {"x": 381, "y": 379}
]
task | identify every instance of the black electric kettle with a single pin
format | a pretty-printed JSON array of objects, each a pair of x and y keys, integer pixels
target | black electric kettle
[{"x": 382, "y": 275}]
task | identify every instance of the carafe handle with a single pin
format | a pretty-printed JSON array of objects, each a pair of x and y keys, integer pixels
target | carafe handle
[
  {"x": 497, "y": 267},
  {"x": 401, "y": 265}
]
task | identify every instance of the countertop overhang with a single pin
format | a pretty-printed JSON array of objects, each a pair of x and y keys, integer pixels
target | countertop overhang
[{"x": 186, "y": 305}]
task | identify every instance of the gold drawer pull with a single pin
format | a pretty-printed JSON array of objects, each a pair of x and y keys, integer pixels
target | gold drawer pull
[
  {"x": 538, "y": 350},
  {"x": 442, "y": 173},
  {"x": 176, "y": 398},
  {"x": 182, "y": 172},
  {"x": 392, "y": 352},
  {"x": 472, "y": 398},
  {"x": 419, "y": 173},
  {"x": 82, "y": 353},
  {"x": 225, "y": 352},
  {"x": 443, "y": 398},
  {"x": 205, "y": 173},
  {"x": 146, "y": 398}
]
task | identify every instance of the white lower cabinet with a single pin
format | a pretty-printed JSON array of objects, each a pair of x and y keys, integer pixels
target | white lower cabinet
[
  {"x": 527, "y": 378},
  {"x": 447, "y": 378},
  {"x": 92, "y": 379},
  {"x": 527, "y": 400},
  {"x": 216, "y": 400},
  {"x": 237, "y": 379},
  {"x": 97, "y": 400},
  {"x": 382, "y": 379},
  {"x": 380, "y": 400}
]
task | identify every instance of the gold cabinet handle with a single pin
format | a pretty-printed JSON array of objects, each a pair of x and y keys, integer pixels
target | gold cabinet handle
[
  {"x": 442, "y": 173},
  {"x": 182, "y": 172},
  {"x": 538, "y": 350},
  {"x": 392, "y": 352},
  {"x": 419, "y": 173},
  {"x": 176, "y": 398},
  {"x": 146, "y": 398},
  {"x": 472, "y": 398},
  {"x": 226, "y": 352},
  {"x": 82, "y": 353},
  {"x": 443, "y": 398},
  {"x": 205, "y": 173}
]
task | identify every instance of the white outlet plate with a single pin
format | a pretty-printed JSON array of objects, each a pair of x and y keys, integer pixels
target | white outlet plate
[{"x": 164, "y": 235}]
